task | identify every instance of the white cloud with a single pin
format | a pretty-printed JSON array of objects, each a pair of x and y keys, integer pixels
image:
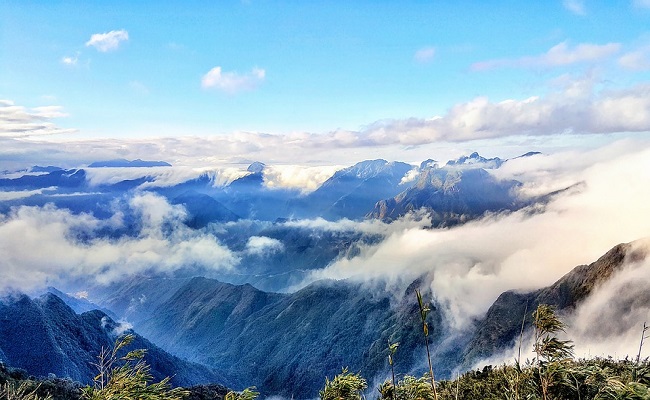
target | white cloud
[
  {"x": 369, "y": 226},
  {"x": 304, "y": 178},
  {"x": 559, "y": 55},
  {"x": 410, "y": 176},
  {"x": 425, "y": 54},
  {"x": 641, "y": 3},
  {"x": 567, "y": 111},
  {"x": 69, "y": 60},
  {"x": 163, "y": 244},
  {"x": 637, "y": 60},
  {"x": 610, "y": 321},
  {"x": 262, "y": 245},
  {"x": 108, "y": 41},
  {"x": 232, "y": 82},
  {"x": 163, "y": 176},
  {"x": 22, "y": 194},
  {"x": 575, "y": 6}
]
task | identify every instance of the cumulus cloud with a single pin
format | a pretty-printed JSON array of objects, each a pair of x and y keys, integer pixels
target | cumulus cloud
[
  {"x": 564, "y": 112},
  {"x": 470, "y": 265},
  {"x": 19, "y": 122},
  {"x": 262, "y": 245},
  {"x": 425, "y": 54},
  {"x": 46, "y": 246},
  {"x": 108, "y": 41},
  {"x": 575, "y": 6},
  {"x": 232, "y": 82},
  {"x": 559, "y": 55}
]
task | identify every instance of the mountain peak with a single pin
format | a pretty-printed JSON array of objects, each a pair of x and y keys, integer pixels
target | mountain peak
[
  {"x": 256, "y": 167},
  {"x": 529, "y": 154},
  {"x": 365, "y": 169},
  {"x": 429, "y": 163},
  {"x": 475, "y": 160}
]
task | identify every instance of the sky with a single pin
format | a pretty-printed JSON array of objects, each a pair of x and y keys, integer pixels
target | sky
[
  {"x": 309, "y": 87},
  {"x": 339, "y": 81}
]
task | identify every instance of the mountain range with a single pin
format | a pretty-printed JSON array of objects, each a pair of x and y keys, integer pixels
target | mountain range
[
  {"x": 456, "y": 192},
  {"x": 266, "y": 321}
]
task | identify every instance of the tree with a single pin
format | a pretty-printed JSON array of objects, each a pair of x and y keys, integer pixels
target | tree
[
  {"x": 392, "y": 348},
  {"x": 424, "y": 311},
  {"x": 550, "y": 352},
  {"x": 128, "y": 377}
]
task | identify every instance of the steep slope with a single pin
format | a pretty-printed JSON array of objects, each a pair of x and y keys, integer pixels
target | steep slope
[
  {"x": 500, "y": 327},
  {"x": 199, "y": 310},
  {"x": 45, "y": 336},
  {"x": 451, "y": 195}
]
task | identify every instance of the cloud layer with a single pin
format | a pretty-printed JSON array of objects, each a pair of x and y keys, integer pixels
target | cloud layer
[
  {"x": 573, "y": 107},
  {"x": 50, "y": 246},
  {"x": 19, "y": 122}
]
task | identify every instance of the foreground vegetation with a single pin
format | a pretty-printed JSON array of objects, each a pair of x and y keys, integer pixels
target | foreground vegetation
[{"x": 552, "y": 374}]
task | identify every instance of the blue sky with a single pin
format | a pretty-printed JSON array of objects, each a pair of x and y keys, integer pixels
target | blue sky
[{"x": 128, "y": 70}]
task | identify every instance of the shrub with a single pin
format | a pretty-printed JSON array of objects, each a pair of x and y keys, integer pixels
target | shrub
[
  {"x": 20, "y": 391},
  {"x": 344, "y": 386}
]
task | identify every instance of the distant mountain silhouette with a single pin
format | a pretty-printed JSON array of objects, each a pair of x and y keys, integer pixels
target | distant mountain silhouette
[{"x": 123, "y": 163}]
